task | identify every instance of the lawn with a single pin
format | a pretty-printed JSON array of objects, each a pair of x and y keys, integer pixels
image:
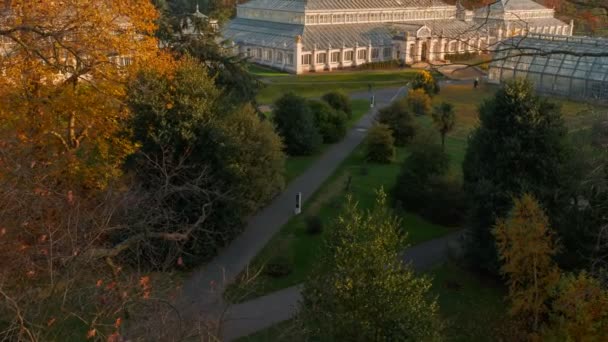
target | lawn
[
  {"x": 471, "y": 307},
  {"x": 466, "y": 100},
  {"x": 294, "y": 166},
  {"x": 316, "y": 84},
  {"x": 301, "y": 249}
]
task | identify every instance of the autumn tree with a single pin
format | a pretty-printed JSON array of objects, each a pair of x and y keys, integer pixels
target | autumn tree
[
  {"x": 424, "y": 80},
  {"x": 526, "y": 247},
  {"x": 64, "y": 65},
  {"x": 64, "y": 82},
  {"x": 361, "y": 290},
  {"x": 444, "y": 120},
  {"x": 418, "y": 101},
  {"x": 579, "y": 310}
]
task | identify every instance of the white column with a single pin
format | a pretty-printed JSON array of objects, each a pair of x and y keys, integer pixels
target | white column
[
  {"x": 298, "y": 55},
  {"x": 571, "y": 26}
]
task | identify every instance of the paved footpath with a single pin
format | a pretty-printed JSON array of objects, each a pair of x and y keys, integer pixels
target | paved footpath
[
  {"x": 202, "y": 293},
  {"x": 246, "y": 318}
]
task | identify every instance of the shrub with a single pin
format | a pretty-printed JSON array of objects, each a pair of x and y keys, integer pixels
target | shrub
[
  {"x": 380, "y": 144},
  {"x": 400, "y": 121},
  {"x": 330, "y": 122},
  {"x": 339, "y": 101},
  {"x": 314, "y": 225},
  {"x": 295, "y": 123},
  {"x": 424, "y": 80},
  {"x": 419, "y": 102},
  {"x": 424, "y": 187},
  {"x": 393, "y": 63}
]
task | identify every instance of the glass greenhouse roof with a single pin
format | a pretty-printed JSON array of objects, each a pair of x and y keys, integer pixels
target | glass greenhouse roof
[{"x": 573, "y": 57}]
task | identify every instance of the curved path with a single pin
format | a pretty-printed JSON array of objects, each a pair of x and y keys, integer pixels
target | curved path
[
  {"x": 260, "y": 313},
  {"x": 202, "y": 294}
]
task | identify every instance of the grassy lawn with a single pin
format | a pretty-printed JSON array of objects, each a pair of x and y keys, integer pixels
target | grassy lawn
[
  {"x": 470, "y": 306},
  {"x": 294, "y": 166},
  {"x": 301, "y": 249},
  {"x": 317, "y": 84},
  {"x": 466, "y": 100}
]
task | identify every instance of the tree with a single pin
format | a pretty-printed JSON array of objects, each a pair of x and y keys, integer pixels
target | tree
[
  {"x": 361, "y": 290},
  {"x": 330, "y": 122},
  {"x": 526, "y": 247},
  {"x": 67, "y": 108},
  {"x": 419, "y": 102},
  {"x": 579, "y": 311},
  {"x": 65, "y": 65},
  {"x": 520, "y": 146},
  {"x": 205, "y": 44},
  {"x": 397, "y": 116},
  {"x": 183, "y": 129},
  {"x": 424, "y": 80},
  {"x": 444, "y": 119},
  {"x": 424, "y": 185},
  {"x": 339, "y": 101},
  {"x": 295, "y": 123},
  {"x": 380, "y": 144}
]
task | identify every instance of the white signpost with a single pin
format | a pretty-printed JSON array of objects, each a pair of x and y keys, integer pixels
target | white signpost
[{"x": 298, "y": 208}]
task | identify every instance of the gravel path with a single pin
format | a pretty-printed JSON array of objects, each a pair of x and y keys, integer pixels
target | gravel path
[{"x": 246, "y": 318}]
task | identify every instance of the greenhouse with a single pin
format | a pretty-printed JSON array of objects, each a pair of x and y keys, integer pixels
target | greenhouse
[{"x": 567, "y": 66}]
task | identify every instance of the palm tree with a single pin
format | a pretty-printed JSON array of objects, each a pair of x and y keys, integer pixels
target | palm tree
[{"x": 444, "y": 119}]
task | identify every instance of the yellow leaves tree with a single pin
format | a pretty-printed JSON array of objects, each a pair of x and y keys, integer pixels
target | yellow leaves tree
[
  {"x": 64, "y": 66},
  {"x": 526, "y": 247},
  {"x": 579, "y": 311}
]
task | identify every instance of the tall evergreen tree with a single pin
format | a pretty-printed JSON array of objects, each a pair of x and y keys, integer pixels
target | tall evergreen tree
[
  {"x": 362, "y": 291},
  {"x": 520, "y": 146}
]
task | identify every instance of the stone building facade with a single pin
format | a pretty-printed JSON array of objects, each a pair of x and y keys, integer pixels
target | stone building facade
[{"x": 301, "y": 36}]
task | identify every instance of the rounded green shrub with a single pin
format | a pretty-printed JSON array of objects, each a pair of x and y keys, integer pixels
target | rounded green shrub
[
  {"x": 331, "y": 123},
  {"x": 339, "y": 101},
  {"x": 380, "y": 144}
]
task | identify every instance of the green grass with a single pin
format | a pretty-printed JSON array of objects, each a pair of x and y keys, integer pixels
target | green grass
[
  {"x": 295, "y": 166},
  {"x": 317, "y": 84},
  {"x": 466, "y": 100},
  {"x": 471, "y": 306},
  {"x": 302, "y": 249}
]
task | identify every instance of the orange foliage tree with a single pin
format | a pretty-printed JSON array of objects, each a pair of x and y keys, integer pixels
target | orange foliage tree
[
  {"x": 579, "y": 311},
  {"x": 526, "y": 247},
  {"x": 64, "y": 66}
]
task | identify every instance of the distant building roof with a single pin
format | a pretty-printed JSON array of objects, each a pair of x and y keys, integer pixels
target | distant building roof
[{"x": 313, "y": 5}]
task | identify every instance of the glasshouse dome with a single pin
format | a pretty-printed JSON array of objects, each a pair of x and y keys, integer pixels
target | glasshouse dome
[{"x": 567, "y": 66}]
